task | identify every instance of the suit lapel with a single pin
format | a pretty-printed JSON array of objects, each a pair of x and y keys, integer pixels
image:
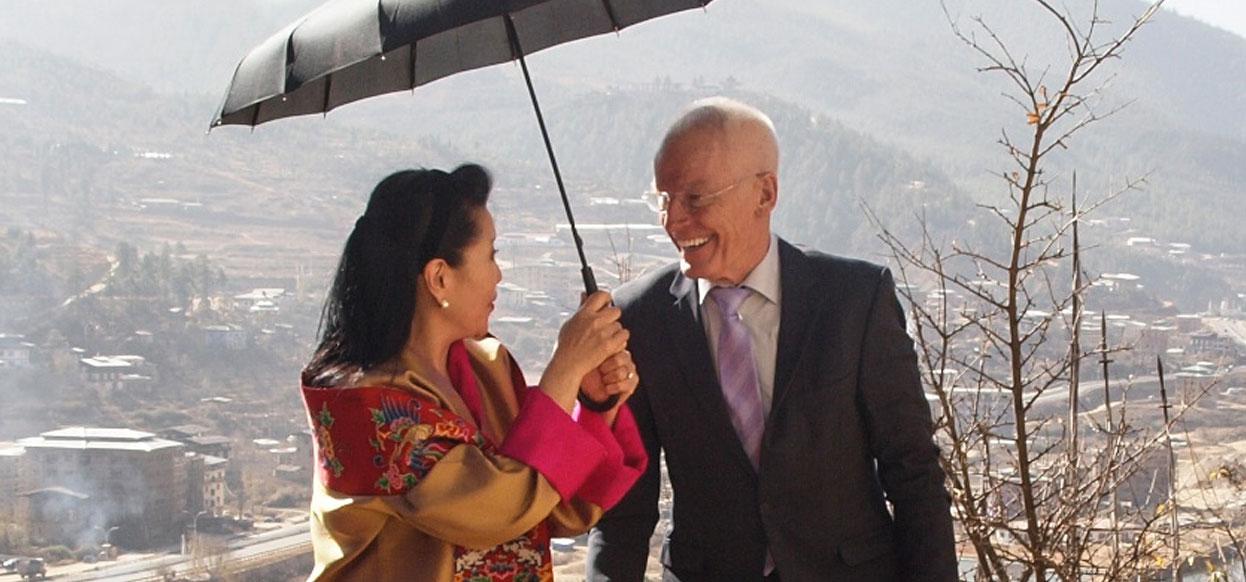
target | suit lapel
[
  {"x": 687, "y": 334},
  {"x": 796, "y": 313}
]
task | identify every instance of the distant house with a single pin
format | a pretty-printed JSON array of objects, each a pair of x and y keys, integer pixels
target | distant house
[
  {"x": 182, "y": 432},
  {"x": 1212, "y": 344},
  {"x": 264, "y": 306},
  {"x": 15, "y": 352},
  {"x": 292, "y": 473},
  {"x": 301, "y": 439},
  {"x": 118, "y": 372},
  {"x": 214, "y": 484},
  {"x": 214, "y": 445},
  {"x": 229, "y": 337},
  {"x": 130, "y": 479},
  {"x": 262, "y": 293},
  {"x": 205, "y": 484},
  {"x": 1189, "y": 323},
  {"x": 261, "y": 300},
  {"x": 510, "y": 295}
]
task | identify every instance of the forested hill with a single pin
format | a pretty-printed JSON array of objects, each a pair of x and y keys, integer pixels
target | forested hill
[
  {"x": 608, "y": 138},
  {"x": 890, "y": 70}
]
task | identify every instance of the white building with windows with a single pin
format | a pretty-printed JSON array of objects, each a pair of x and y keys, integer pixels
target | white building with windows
[{"x": 15, "y": 352}]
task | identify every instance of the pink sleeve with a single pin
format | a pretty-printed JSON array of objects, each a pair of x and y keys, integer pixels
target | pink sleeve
[
  {"x": 546, "y": 438},
  {"x": 625, "y": 460}
]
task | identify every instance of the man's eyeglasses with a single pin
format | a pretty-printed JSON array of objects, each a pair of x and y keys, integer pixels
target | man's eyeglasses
[{"x": 694, "y": 201}]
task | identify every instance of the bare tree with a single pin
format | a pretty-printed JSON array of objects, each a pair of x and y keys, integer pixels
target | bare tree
[
  {"x": 1036, "y": 480},
  {"x": 622, "y": 260}
]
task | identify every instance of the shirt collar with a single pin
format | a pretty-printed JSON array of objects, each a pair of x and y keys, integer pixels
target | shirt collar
[{"x": 763, "y": 279}]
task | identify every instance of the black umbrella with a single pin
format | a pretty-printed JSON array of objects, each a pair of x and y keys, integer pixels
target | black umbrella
[{"x": 348, "y": 50}]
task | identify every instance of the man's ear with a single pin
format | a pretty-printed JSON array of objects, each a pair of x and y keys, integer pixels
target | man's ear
[{"x": 769, "y": 191}]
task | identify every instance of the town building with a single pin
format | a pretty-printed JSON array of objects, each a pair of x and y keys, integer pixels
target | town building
[
  {"x": 228, "y": 337},
  {"x": 205, "y": 484},
  {"x": 14, "y": 476},
  {"x": 206, "y": 444},
  {"x": 1209, "y": 343},
  {"x": 110, "y": 477},
  {"x": 123, "y": 372},
  {"x": 15, "y": 352}
]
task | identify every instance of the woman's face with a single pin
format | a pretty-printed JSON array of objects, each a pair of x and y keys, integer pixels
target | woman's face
[{"x": 472, "y": 286}]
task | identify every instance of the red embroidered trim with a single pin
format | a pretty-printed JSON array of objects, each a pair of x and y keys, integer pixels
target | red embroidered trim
[{"x": 379, "y": 440}]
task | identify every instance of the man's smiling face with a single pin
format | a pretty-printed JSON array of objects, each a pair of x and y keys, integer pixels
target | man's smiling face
[{"x": 723, "y": 241}]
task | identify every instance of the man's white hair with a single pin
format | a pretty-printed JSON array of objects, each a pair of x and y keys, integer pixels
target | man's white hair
[
  {"x": 720, "y": 113},
  {"x": 725, "y": 115}
]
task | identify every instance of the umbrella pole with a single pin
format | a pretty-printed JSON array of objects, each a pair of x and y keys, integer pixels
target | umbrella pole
[{"x": 590, "y": 282}]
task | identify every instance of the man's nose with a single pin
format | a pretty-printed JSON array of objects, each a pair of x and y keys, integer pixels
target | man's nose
[{"x": 675, "y": 213}]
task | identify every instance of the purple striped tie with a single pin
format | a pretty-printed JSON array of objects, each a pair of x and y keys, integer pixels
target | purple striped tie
[{"x": 737, "y": 371}]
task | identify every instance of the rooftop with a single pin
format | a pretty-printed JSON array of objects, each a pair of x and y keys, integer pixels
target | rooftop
[
  {"x": 106, "y": 362},
  {"x": 186, "y": 429},
  {"x": 101, "y": 434},
  {"x": 208, "y": 440},
  {"x": 261, "y": 293},
  {"x": 11, "y": 450},
  {"x": 10, "y": 341},
  {"x": 55, "y": 491},
  {"x": 83, "y": 438}
]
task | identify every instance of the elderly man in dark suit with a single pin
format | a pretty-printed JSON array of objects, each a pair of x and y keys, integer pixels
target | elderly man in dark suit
[{"x": 780, "y": 384}]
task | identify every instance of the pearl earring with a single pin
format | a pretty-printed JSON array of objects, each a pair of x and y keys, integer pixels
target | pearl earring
[{"x": 445, "y": 303}]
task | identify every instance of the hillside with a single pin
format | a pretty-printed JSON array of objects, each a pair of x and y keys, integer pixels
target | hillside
[
  {"x": 105, "y": 159},
  {"x": 896, "y": 99}
]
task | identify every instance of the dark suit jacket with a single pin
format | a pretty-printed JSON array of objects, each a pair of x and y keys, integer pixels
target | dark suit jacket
[{"x": 849, "y": 430}]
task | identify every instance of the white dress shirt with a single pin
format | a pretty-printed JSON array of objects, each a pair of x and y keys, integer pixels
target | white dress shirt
[{"x": 760, "y": 313}]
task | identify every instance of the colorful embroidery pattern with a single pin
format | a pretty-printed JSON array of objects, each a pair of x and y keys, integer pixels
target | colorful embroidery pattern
[
  {"x": 409, "y": 441},
  {"x": 405, "y": 436},
  {"x": 324, "y": 442},
  {"x": 523, "y": 559}
]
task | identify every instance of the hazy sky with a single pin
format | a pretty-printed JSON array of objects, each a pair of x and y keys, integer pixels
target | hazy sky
[{"x": 1227, "y": 14}]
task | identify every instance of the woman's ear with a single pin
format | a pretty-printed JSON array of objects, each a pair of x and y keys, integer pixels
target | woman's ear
[{"x": 437, "y": 278}]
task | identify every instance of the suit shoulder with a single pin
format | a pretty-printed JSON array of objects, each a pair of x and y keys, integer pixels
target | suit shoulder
[
  {"x": 842, "y": 269},
  {"x": 646, "y": 288}
]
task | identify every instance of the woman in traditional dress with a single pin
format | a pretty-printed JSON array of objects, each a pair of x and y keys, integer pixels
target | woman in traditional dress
[{"x": 434, "y": 460}]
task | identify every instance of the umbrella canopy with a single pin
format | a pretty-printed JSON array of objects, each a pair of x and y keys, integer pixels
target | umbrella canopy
[{"x": 348, "y": 50}]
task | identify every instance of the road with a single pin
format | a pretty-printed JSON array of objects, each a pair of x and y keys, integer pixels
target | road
[
  {"x": 1234, "y": 328},
  {"x": 252, "y": 550},
  {"x": 99, "y": 286}
]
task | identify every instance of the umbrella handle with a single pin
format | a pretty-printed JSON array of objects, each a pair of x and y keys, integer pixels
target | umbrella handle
[
  {"x": 590, "y": 284},
  {"x": 595, "y": 406}
]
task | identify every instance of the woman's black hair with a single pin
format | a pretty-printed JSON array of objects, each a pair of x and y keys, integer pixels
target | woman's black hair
[{"x": 412, "y": 217}]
